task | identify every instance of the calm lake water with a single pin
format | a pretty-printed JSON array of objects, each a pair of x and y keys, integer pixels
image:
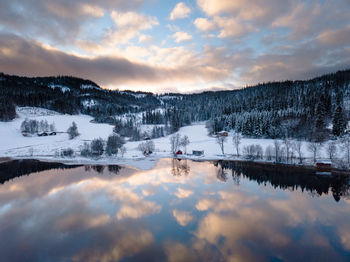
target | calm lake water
[{"x": 177, "y": 211}]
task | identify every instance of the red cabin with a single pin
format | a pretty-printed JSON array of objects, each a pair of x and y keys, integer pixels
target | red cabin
[
  {"x": 324, "y": 166},
  {"x": 179, "y": 152}
]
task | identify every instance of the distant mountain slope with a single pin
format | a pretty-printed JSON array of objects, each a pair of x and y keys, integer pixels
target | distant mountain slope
[
  {"x": 292, "y": 108},
  {"x": 71, "y": 95},
  {"x": 317, "y": 107}
]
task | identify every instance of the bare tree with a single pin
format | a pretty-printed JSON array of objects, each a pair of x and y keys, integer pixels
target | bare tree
[
  {"x": 331, "y": 149},
  {"x": 253, "y": 151},
  {"x": 73, "y": 131},
  {"x": 122, "y": 150},
  {"x": 147, "y": 147},
  {"x": 221, "y": 142},
  {"x": 52, "y": 127},
  {"x": 288, "y": 146},
  {"x": 277, "y": 149},
  {"x": 97, "y": 147},
  {"x": 345, "y": 143},
  {"x": 185, "y": 142},
  {"x": 31, "y": 151},
  {"x": 114, "y": 143},
  {"x": 175, "y": 143},
  {"x": 298, "y": 145},
  {"x": 236, "y": 139},
  {"x": 314, "y": 147},
  {"x": 269, "y": 152}
]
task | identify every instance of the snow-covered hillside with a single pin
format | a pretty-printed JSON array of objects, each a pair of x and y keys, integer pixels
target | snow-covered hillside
[{"x": 13, "y": 144}]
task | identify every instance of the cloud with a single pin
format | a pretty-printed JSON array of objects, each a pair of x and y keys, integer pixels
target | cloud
[
  {"x": 182, "y": 217},
  {"x": 204, "y": 24},
  {"x": 30, "y": 58},
  {"x": 300, "y": 62},
  {"x": 181, "y": 36},
  {"x": 181, "y": 10},
  {"x": 145, "y": 39},
  {"x": 339, "y": 37},
  {"x": 131, "y": 204},
  {"x": 204, "y": 204},
  {"x": 92, "y": 10},
  {"x": 230, "y": 27},
  {"x": 61, "y": 21},
  {"x": 254, "y": 10},
  {"x": 183, "y": 193},
  {"x": 128, "y": 25},
  {"x": 114, "y": 44}
]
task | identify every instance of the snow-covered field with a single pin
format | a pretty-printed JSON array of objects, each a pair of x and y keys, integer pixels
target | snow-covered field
[{"x": 13, "y": 144}]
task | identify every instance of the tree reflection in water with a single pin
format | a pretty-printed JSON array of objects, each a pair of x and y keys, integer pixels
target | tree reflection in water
[
  {"x": 176, "y": 211},
  {"x": 286, "y": 177},
  {"x": 179, "y": 167}
]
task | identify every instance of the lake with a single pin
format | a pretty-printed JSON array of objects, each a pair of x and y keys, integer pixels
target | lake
[{"x": 176, "y": 211}]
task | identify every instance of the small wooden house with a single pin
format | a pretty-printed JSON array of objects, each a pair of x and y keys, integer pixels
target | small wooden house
[
  {"x": 222, "y": 133},
  {"x": 198, "y": 152},
  {"x": 324, "y": 165}
]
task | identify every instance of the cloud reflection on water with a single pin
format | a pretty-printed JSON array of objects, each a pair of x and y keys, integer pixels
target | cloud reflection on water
[{"x": 82, "y": 214}]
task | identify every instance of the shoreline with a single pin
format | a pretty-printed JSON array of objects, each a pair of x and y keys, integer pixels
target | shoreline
[{"x": 146, "y": 163}]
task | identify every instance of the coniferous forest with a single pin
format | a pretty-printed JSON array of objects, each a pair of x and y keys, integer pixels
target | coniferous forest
[{"x": 315, "y": 109}]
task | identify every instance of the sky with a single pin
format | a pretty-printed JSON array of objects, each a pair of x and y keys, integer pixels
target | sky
[{"x": 175, "y": 46}]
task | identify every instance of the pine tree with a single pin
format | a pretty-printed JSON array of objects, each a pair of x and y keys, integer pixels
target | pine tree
[
  {"x": 320, "y": 115},
  {"x": 339, "y": 121}
]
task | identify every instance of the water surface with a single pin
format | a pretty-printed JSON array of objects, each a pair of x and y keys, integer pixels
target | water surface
[{"x": 177, "y": 211}]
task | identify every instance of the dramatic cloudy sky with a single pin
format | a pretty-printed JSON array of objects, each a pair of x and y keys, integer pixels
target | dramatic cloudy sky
[{"x": 158, "y": 45}]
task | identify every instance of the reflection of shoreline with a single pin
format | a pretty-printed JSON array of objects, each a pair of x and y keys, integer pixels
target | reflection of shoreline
[
  {"x": 286, "y": 177},
  {"x": 195, "y": 213},
  {"x": 147, "y": 163},
  {"x": 281, "y": 176},
  {"x": 17, "y": 168}
]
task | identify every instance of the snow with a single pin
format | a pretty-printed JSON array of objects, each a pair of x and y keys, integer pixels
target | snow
[
  {"x": 89, "y": 102},
  {"x": 63, "y": 88},
  {"x": 13, "y": 144},
  {"x": 88, "y": 87},
  {"x": 169, "y": 97},
  {"x": 34, "y": 112},
  {"x": 136, "y": 95}
]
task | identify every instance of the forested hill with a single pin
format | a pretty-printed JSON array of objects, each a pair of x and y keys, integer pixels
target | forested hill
[
  {"x": 292, "y": 108},
  {"x": 72, "y": 95}
]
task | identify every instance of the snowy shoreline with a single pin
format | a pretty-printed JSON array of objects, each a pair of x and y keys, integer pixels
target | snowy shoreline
[{"x": 48, "y": 148}]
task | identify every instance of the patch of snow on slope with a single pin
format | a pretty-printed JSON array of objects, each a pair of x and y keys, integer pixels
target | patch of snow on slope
[
  {"x": 89, "y": 102},
  {"x": 28, "y": 111},
  {"x": 14, "y": 144},
  {"x": 63, "y": 88},
  {"x": 137, "y": 95},
  {"x": 88, "y": 87}
]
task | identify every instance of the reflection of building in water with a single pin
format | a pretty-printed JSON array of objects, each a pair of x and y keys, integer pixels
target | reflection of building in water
[
  {"x": 179, "y": 167},
  {"x": 288, "y": 178}
]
